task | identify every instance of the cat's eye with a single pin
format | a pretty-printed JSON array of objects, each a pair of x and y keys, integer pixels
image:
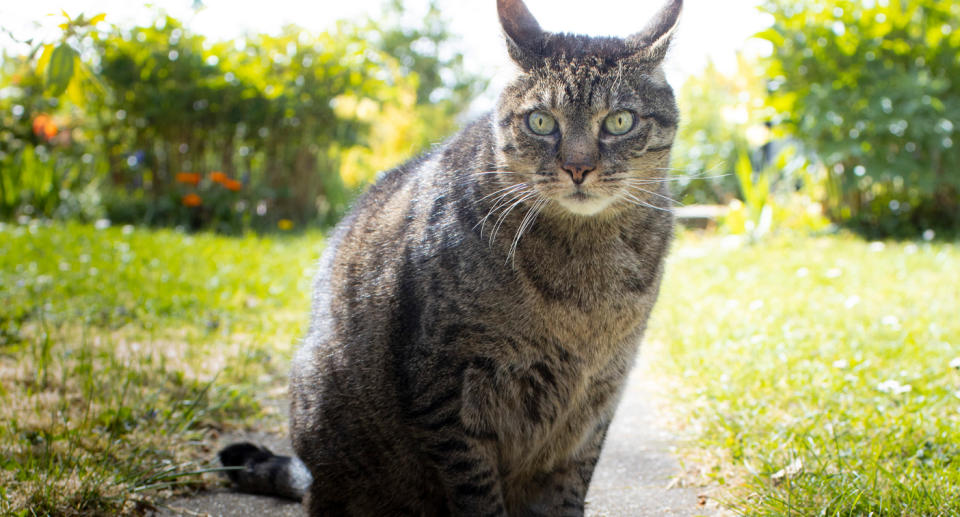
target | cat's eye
[
  {"x": 541, "y": 122},
  {"x": 619, "y": 123}
]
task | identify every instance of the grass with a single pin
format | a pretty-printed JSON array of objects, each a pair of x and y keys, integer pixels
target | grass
[
  {"x": 811, "y": 376},
  {"x": 122, "y": 351},
  {"x": 814, "y": 374}
]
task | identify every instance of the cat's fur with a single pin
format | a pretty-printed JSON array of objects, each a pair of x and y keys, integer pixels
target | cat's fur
[{"x": 477, "y": 312}]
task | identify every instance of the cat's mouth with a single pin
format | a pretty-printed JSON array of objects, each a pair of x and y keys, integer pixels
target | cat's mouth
[{"x": 584, "y": 203}]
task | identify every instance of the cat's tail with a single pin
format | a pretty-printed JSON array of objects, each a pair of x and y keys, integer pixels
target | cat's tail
[{"x": 264, "y": 472}]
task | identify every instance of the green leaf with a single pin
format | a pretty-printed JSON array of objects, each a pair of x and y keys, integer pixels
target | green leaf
[
  {"x": 60, "y": 69},
  {"x": 97, "y": 19},
  {"x": 44, "y": 60}
]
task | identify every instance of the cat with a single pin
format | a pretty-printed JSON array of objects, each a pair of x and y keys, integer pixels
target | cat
[{"x": 477, "y": 311}]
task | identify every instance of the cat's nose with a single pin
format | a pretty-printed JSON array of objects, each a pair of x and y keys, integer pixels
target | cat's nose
[{"x": 578, "y": 171}]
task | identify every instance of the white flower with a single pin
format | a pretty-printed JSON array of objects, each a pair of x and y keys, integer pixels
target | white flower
[
  {"x": 894, "y": 386},
  {"x": 891, "y": 321},
  {"x": 955, "y": 363},
  {"x": 841, "y": 364},
  {"x": 792, "y": 470}
]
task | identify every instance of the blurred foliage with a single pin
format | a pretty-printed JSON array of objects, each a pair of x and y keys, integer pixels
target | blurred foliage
[
  {"x": 780, "y": 196},
  {"x": 726, "y": 153},
  {"x": 871, "y": 89},
  {"x": 157, "y": 125},
  {"x": 722, "y": 118}
]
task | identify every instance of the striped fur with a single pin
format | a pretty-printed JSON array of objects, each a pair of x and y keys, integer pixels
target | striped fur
[{"x": 472, "y": 323}]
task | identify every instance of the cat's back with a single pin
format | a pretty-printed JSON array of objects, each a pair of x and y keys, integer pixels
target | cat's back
[{"x": 404, "y": 201}]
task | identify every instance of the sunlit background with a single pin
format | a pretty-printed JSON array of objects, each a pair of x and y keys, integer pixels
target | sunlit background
[
  {"x": 711, "y": 30},
  {"x": 787, "y": 108}
]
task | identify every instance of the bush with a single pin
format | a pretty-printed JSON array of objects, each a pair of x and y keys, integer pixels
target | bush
[
  {"x": 871, "y": 89},
  {"x": 264, "y": 132},
  {"x": 719, "y": 113}
]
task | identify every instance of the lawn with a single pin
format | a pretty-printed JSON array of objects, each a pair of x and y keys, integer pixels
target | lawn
[
  {"x": 817, "y": 376},
  {"x": 122, "y": 351},
  {"x": 808, "y": 376}
]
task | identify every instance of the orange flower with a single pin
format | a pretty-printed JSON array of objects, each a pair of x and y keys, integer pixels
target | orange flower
[
  {"x": 40, "y": 122},
  {"x": 233, "y": 185},
  {"x": 191, "y": 200},
  {"x": 43, "y": 126},
  {"x": 218, "y": 177},
  {"x": 189, "y": 178}
]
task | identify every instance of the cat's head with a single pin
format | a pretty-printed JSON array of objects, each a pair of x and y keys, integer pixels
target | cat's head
[{"x": 588, "y": 122}]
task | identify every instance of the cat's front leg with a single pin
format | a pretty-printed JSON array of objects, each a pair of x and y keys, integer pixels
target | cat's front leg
[
  {"x": 564, "y": 491},
  {"x": 460, "y": 448},
  {"x": 468, "y": 474}
]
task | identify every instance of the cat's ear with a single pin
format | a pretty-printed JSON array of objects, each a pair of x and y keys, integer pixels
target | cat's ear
[
  {"x": 652, "y": 42},
  {"x": 524, "y": 35}
]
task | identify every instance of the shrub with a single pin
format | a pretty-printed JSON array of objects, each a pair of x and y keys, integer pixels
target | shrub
[{"x": 871, "y": 89}]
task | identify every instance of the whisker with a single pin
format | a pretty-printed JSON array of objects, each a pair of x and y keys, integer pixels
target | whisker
[
  {"x": 510, "y": 187},
  {"x": 661, "y": 196},
  {"x": 630, "y": 198},
  {"x": 666, "y": 179},
  {"x": 500, "y": 203},
  {"x": 503, "y": 215},
  {"x": 527, "y": 222}
]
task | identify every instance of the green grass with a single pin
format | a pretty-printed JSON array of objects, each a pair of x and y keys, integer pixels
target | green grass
[
  {"x": 830, "y": 354},
  {"x": 122, "y": 351}
]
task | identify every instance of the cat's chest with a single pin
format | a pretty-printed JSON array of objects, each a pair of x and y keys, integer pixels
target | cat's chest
[
  {"x": 591, "y": 296},
  {"x": 543, "y": 410}
]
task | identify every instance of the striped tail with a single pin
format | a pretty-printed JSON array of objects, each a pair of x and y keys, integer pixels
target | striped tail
[{"x": 264, "y": 472}]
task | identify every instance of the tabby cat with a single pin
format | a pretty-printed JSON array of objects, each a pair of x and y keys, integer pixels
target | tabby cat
[{"x": 477, "y": 312}]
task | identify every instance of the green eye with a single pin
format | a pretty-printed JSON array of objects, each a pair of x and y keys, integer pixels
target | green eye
[
  {"x": 619, "y": 123},
  {"x": 541, "y": 122}
]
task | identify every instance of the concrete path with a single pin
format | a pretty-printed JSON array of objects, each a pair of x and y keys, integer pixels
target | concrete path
[
  {"x": 636, "y": 469},
  {"x": 632, "y": 479}
]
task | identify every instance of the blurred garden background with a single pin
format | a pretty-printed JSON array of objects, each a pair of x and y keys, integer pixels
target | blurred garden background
[{"x": 164, "y": 192}]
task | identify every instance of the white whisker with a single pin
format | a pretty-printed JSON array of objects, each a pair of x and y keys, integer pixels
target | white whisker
[
  {"x": 673, "y": 178},
  {"x": 500, "y": 203},
  {"x": 484, "y": 173},
  {"x": 527, "y": 222},
  {"x": 630, "y": 198},
  {"x": 661, "y": 196},
  {"x": 510, "y": 187},
  {"x": 506, "y": 212}
]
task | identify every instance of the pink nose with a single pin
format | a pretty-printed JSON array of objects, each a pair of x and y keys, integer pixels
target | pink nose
[{"x": 578, "y": 171}]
